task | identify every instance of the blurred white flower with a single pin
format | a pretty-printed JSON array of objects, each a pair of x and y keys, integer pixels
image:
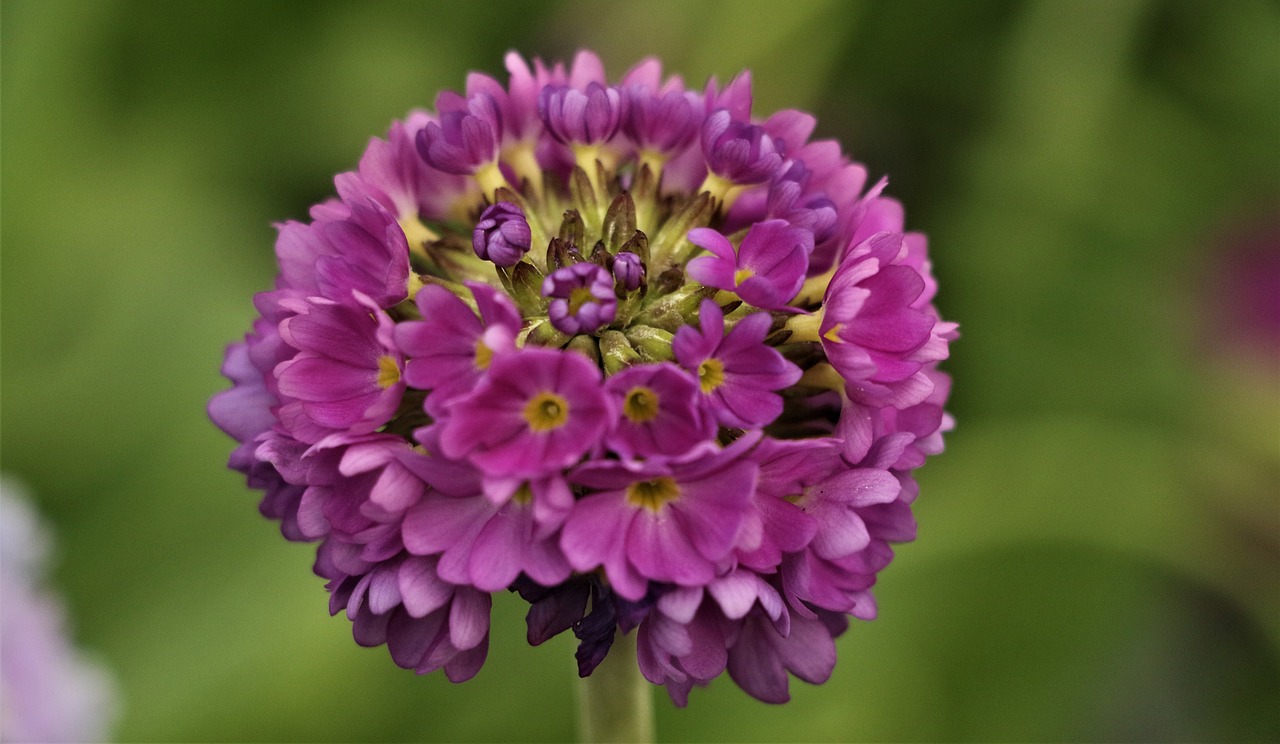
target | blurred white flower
[{"x": 49, "y": 691}]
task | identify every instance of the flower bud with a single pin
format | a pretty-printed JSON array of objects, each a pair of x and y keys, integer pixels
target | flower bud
[
  {"x": 575, "y": 117},
  {"x": 665, "y": 124},
  {"x": 628, "y": 269},
  {"x": 502, "y": 235},
  {"x": 739, "y": 152},
  {"x": 463, "y": 141}
]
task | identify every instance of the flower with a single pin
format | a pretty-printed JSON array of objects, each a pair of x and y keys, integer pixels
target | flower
[
  {"x": 658, "y": 366},
  {"x": 464, "y": 139},
  {"x": 661, "y": 411},
  {"x": 536, "y": 411},
  {"x": 629, "y": 270},
  {"x": 502, "y": 234},
  {"x": 582, "y": 298},
  {"x": 581, "y": 117},
  {"x": 738, "y": 373},
  {"x": 347, "y": 374},
  {"x": 737, "y": 151},
  {"x": 766, "y": 271},
  {"x": 50, "y": 690},
  {"x": 451, "y": 348},
  {"x": 670, "y": 522}
]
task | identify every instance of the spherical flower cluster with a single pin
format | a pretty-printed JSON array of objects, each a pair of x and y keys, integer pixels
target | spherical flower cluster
[{"x": 657, "y": 365}]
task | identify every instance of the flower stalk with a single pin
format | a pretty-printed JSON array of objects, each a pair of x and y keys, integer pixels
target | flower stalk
[{"x": 615, "y": 703}]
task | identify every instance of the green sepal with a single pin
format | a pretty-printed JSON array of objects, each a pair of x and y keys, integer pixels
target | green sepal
[
  {"x": 638, "y": 244},
  {"x": 561, "y": 253},
  {"x": 619, "y": 222},
  {"x": 616, "y": 352},
  {"x": 526, "y": 288},
  {"x": 676, "y": 309},
  {"x": 652, "y": 344},
  {"x": 601, "y": 257},
  {"x": 668, "y": 281},
  {"x": 586, "y": 345},
  {"x": 671, "y": 247},
  {"x": 583, "y": 196},
  {"x": 545, "y": 334},
  {"x": 572, "y": 230}
]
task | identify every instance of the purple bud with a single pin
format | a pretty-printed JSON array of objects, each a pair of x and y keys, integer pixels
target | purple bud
[
  {"x": 738, "y": 152},
  {"x": 665, "y": 124},
  {"x": 787, "y": 199},
  {"x": 502, "y": 235},
  {"x": 821, "y": 219},
  {"x": 463, "y": 141},
  {"x": 582, "y": 118},
  {"x": 786, "y": 188},
  {"x": 582, "y": 298},
  {"x": 628, "y": 269}
]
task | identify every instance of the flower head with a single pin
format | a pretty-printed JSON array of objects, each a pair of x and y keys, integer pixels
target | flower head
[
  {"x": 657, "y": 365},
  {"x": 581, "y": 297}
]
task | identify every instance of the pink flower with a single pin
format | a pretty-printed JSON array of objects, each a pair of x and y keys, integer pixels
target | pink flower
[
  {"x": 659, "y": 521},
  {"x": 536, "y": 411}
]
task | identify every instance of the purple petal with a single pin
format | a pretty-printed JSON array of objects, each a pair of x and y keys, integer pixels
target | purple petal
[
  {"x": 420, "y": 589},
  {"x": 659, "y": 549}
]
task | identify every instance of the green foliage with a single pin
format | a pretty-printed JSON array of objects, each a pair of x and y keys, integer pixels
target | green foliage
[{"x": 1097, "y": 551}]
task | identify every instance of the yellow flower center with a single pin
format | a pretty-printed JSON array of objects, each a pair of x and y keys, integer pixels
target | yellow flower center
[
  {"x": 741, "y": 275},
  {"x": 833, "y": 333},
  {"x": 523, "y": 494},
  {"x": 578, "y": 297},
  {"x": 652, "y": 494},
  {"x": 388, "y": 371},
  {"x": 797, "y": 498},
  {"x": 641, "y": 405},
  {"x": 546, "y": 411},
  {"x": 484, "y": 354},
  {"x": 711, "y": 375}
]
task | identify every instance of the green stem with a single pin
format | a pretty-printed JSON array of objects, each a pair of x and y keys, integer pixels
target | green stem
[{"x": 615, "y": 703}]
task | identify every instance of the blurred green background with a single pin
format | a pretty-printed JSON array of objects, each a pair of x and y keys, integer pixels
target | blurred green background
[{"x": 1099, "y": 548}]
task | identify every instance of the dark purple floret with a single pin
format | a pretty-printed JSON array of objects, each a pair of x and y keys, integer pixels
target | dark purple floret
[
  {"x": 818, "y": 214},
  {"x": 577, "y": 117},
  {"x": 463, "y": 140},
  {"x": 786, "y": 188},
  {"x": 787, "y": 200},
  {"x": 739, "y": 152},
  {"x": 628, "y": 269},
  {"x": 502, "y": 235},
  {"x": 552, "y": 610},
  {"x": 595, "y": 632},
  {"x": 664, "y": 124}
]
